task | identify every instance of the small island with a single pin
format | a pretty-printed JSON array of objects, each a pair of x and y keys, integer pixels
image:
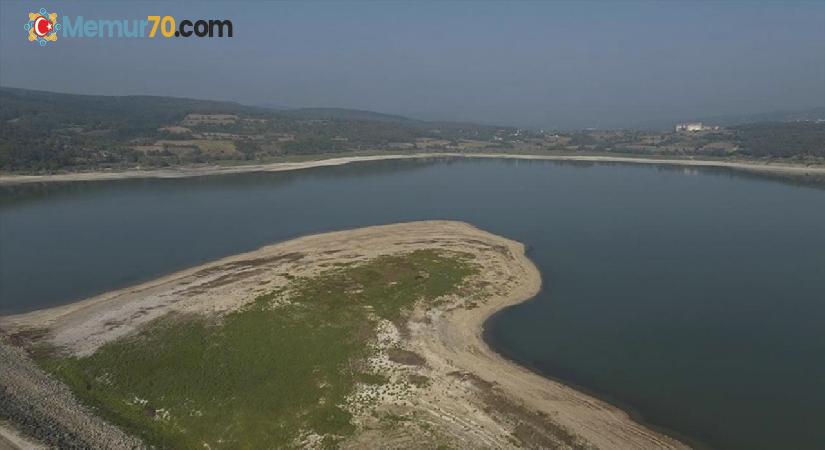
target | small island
[{"x": 362, "y": 338}]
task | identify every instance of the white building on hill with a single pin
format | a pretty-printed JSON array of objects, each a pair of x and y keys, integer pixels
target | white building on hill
[{"x": 690, "y": 126}]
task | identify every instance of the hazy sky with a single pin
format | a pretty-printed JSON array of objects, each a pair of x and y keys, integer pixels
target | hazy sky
[{"x": 551, "y": 65}]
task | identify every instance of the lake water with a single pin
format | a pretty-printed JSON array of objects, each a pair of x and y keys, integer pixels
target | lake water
[{"x": 696, "y": 298}]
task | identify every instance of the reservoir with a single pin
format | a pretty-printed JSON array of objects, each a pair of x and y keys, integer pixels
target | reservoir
[{"x": 694, "y": 298}]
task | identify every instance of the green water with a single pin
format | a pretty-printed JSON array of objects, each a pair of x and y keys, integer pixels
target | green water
[{"x": 695, "y": 298}]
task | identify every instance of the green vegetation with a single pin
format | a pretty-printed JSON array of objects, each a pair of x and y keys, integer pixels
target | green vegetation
[
  {"x": 50, "y": 132},
  {"x": 783, "y": 139},
  {"x": 262, "y": 376},
  {"x": 801, "y": 140},
  {"x": 47, "y": 132}
]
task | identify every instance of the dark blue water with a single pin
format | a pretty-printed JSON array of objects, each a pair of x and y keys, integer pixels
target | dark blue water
[{"x": 694, "y": 297}]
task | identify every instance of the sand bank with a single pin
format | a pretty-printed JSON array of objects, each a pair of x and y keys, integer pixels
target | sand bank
[
  {"x": 473, "y": 397},
  {"x": 183, "y": 172}
]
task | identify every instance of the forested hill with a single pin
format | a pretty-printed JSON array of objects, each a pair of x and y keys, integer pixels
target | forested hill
[
  {"x": 122, "y": 115},
  {"x": 47, "y": 131},
  {"x": 783, "y": 139},
  {"x": 42, "y": 132}
]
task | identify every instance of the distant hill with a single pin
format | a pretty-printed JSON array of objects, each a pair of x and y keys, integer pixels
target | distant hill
[
  {"x": 49, "y": 131},
  {"x": 143, "y": 111},
  {"x": 443, "y": 127},
  {"x": 343, "y": 114},
  {"x": 124, "y": 114},
  {"x": 812, "y": 114},
  {"x": 797, "y": 137},
  {"x": 728, "y": 120}
]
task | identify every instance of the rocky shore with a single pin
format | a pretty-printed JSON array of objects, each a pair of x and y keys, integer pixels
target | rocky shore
[{"x": 41, "y": 407}]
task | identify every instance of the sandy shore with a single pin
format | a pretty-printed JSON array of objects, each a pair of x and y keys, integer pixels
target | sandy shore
[
  {"x": 183, "y": 172},
  {"x": 473, "y": 398}
]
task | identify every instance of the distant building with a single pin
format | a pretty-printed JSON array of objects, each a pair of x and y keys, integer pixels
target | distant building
[{"x": 690, "y": 126}]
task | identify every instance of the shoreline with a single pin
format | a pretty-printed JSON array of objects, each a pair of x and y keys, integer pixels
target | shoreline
[
  {"x": 187, "y": 172},
  {"x": 634, "y": 413},
  {"x": 467, "y": 373}
]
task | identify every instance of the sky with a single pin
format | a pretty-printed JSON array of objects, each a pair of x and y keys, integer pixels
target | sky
[{"x": 552, "y": 65}]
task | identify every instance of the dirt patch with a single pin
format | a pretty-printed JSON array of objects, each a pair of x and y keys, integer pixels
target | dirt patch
[
  {"x": 532, "y": 429},
  {"x": 405, "y": 357},
  {"x": 418, "y": 380},
  {"x": 270, "y": 260},
  {"x": 473, "y": 379}
]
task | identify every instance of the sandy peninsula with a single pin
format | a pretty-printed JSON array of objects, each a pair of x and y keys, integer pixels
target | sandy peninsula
[
  {"x": 476, "y": 398},
  {"x": 783, "y": 169}
]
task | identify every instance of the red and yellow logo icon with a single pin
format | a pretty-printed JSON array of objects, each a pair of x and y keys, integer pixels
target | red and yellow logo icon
[{"x": 42, "y": 27}]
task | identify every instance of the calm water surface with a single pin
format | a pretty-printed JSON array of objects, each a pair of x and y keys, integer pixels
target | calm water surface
[{"x": 694, "y": 297}]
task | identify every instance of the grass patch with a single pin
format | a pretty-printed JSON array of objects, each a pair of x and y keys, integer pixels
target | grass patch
[{"x": 262, "y": 376}]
